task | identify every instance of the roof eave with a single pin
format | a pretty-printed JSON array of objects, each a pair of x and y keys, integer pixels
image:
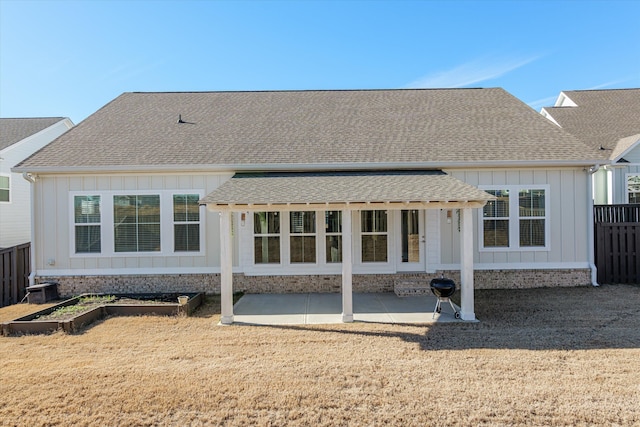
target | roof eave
[{"x": 251, "y": 167}]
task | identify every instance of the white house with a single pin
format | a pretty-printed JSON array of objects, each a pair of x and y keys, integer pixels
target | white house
[
  {"x": 19, "y": 138},
  {"x": 327, "y": 191},
  {"x": 608, "y": 120}
]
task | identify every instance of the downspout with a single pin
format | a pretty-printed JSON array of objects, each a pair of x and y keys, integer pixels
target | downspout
[
  {"x": 590, "y": 234},
  {"x": 32, "y": 180}
]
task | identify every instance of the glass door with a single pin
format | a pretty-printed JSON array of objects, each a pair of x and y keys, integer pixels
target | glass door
[{"x": 412, "y": 240}]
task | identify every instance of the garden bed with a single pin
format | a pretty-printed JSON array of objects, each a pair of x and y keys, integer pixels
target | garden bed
[{"x": 73, "y": 314}]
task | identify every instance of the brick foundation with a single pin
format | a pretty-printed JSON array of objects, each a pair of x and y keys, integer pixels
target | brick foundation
[{"x": 210, "y": 283}]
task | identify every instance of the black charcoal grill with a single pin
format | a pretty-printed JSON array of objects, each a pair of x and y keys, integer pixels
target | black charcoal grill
[{"x": 443, "y": 288}]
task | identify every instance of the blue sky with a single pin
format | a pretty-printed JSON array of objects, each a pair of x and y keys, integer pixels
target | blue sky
[{"x": 69, "y": 58}]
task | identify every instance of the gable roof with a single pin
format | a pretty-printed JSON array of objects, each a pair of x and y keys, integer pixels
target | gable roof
[
  {"x": 309, "y": 129},
  {"x": 15, "y": 130},
  {"x": 601, "y": 118}
]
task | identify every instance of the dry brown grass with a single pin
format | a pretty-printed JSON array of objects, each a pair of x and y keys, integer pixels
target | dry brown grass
[{"x": 538, "y": 357}]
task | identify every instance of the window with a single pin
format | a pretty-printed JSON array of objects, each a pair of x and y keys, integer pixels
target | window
[
  {"x": 374, "y": 236},
  {"x": 266, "y": 230},
  {"x": 5, "y": 186},
  {"x": 410, "y": 235},
  {"x": 87, "y": 224},
  {"x": 517, "y": 219},
  {"x": 633, "y": 188},
  {"x": 136, "y": 223},
  {"x": 302, "y": 237},
  {"x": 495, "y": 222},
  {"x": 333, "y": 235},
  {"x": 532, "y": 212},
  {"x": 186, "y": 222}
]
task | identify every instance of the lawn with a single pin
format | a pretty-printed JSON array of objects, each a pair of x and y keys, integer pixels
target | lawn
[{"x": 538, "y": 357}]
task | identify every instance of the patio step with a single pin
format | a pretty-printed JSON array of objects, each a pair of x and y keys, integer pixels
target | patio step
[{"x": 409, "y": 288}]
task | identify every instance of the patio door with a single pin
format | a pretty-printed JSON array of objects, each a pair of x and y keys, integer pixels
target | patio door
[{"x": 411, "y": 241}]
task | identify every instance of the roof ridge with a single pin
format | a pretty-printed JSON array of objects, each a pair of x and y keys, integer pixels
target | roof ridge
[
  {"x": 314, "y": 90},
  {"x": 601, "y": 90}
]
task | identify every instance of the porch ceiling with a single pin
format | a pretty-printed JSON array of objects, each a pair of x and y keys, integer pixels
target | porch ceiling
[{"x": 389, "y": 189}]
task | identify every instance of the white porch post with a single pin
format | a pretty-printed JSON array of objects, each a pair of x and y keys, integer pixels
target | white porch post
[
  {"x": 347, "y": 267},
  {"x": 226, "y": 269},
  {"x": 466, "y": 265}
]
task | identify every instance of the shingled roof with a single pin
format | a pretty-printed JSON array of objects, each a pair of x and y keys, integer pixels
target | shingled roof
[
  {"x": 310, "y": 129},
  {"x": 15, "y": 130},
  {"x": 602, "y": 118},
  {"x": 344, "y": 187}
]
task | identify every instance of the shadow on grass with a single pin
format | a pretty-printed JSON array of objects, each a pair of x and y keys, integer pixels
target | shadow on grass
[{"x": 534, "y": 319}]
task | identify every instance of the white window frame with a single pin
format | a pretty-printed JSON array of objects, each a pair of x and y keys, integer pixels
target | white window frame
[
  {"x": 514, "y": 219},
  {"x": 186, "y": 222},
  {"x": 304, "y": 234},
  {"x": 386, "y": 233},
  {"x": 85, "y": 224},
  {"x": 8, "y": 188},
  {"x": 280, "y": 235},
  {"x": 167, "y": 237},
  {"x": 626, "y": 185},
  {"x": 327, "y": 234},
  {"x": 320, "y": 266}
]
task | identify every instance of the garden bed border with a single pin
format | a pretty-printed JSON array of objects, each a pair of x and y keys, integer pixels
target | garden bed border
[{"x": 28, "y": 325}]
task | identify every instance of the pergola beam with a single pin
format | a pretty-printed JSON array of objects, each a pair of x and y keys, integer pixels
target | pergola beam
[{"x": 287, "y": 207}]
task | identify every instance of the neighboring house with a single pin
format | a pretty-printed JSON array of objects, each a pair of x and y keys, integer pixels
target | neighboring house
[
  {"x": 323, "y": 191},
  {"x": 19, "y": 138},
  {"x": 607, "y": 120}
]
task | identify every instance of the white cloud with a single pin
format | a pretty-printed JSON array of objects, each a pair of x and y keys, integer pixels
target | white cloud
[{"x": 471, "y": 73}]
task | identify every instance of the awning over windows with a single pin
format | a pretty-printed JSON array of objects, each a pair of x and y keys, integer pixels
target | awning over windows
[{"x": 390, "y": 189}]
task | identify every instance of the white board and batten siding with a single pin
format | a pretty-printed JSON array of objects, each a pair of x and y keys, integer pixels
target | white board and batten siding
[
  {"x": 54, "y": 225},
  {"x": 567, "y": 245}
]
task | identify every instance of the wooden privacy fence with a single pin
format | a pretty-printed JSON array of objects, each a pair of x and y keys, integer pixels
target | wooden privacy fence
[
  {"x": 15, "y": 267},
  {"x": 617, "y": 243}
]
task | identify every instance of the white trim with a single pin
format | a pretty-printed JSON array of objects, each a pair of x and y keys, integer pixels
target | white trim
[
  {"x": 216, "y": 270},
  {"x": 433, "y": 231},
  {"x": 520, "y": 266},
  {"x": 347, "y": 267},
  {"x": 9, "y": 188},
  {"x": 549, "y": 117},
  {"x": 226, "y": 269},
  {"x": 270, "y": 167},
  {"x": 564, "y": 101},
  {"x": 361, "y": 206},
  {"x": 467, "y": 303},
  {"x": 514, "y": 219},
  {"x": 626, "y": 184},
  {"x": 106, "y": 223},
  {"x": 388, "y": 233},
  {"x": 627, "y": 151},
  {"x": 128, "y": 271},
  {"x": 409, "y": 267}
]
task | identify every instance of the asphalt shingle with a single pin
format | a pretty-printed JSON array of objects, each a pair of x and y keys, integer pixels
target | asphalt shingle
[
  {"x": 410, "y": 126},
  {"x": 602, "y": 118},
  {"x": 345, "y": 187},
  {"x": 15, "y": 130}
]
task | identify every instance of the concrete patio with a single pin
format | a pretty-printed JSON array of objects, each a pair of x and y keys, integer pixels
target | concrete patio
[{"x": 326, "y": 308}]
